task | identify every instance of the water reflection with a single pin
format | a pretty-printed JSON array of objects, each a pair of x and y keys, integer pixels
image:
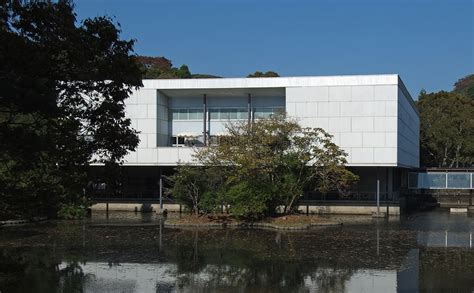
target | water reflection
[{"x": 370, "y": 256}]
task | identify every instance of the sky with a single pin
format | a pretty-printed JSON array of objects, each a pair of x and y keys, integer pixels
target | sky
[{"x": 429, "y": 43}]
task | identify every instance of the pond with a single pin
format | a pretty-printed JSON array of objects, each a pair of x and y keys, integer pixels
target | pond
[{"x": 133, "y": 253}]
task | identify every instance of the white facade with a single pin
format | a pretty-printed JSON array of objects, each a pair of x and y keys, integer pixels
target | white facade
[{"x": 372, "y": 117}]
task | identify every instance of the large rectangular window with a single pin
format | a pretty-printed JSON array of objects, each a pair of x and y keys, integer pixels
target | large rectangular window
[
  {"x": 459, "y": 180},
  {"x": 214, "y": 114},
  {"x": 224, "y": 113},
  {"x": 242, "y": 114},
  {"x": 263, "y": 113},
  {"x": 195, "y": 114},
  {"x": 186, "y": 114}
]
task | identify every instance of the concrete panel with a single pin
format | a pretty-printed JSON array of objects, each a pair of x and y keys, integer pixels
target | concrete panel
[
  {"x": 339, "y": 124},
  {"x": 362, "y": 93},
  {"x": 305, "y": 94},
  {"x": 391, "y": 139},
  {"x": 374, "y": 139},
  {"x": 131, "y": 158},
  {"x": 362, "y": 155},
  {"x": 385, "y": 124},
  {"x": 151, "y": 141},
  {"x": 365, "y": 124},
  {"x": 339, "y": 93},
  {"x": 319, "y": 122},
  {"x": 351, "y": 139},
  {"x": 312, "y": 109},
  {"x": 385, "y": 92},
  {"x": 175, "y": 155},
  {"x": 146, "y": 96},
  {"x": 146, "y": 125},
  {"x": 136, "y": 111},
  {"x": 152, "y": 111},
  {"x": 330, "y": 109},
  {"x": 148, "y": 156},
  {"x": 382, "y": 155},
  {"x": 391, "y": 108},
  {"x": 358, "y": 109},
  {"x": 143, "y": 140},
  {"x": 300, "y": 110},
  {"x": 291, "y": 109}
]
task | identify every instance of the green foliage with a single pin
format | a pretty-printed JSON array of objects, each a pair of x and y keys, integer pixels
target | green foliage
[
  {"x": 204, "y": 76},
  {"x": 183, "y": 72},
  {"x": 252, "y": 199},
  {"x": 447, "y": 129},
  {"x": 162, "y": 68},
  {"x": 271, "y": 163},
  {"x": 62, "y": 105},
  {"x": 72, "y": 212},
  {"x": 263, "y": 74},
  {"x": 465, "y": 86}
]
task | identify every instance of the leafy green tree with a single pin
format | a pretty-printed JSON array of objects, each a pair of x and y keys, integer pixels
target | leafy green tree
[
  {"x": 62, "y": 102},
  {"x": 465, "y": 86},
  {"x": 273, "y": 161},
  {"x": 198, "y": 187},
  {"x": 263, "y": 74},
  {"x": 183, "y": 72},
  {"x": 447, "y": 129}
]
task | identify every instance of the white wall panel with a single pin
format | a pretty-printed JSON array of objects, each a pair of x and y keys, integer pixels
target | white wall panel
[
  {"x": 370, "y": 117},
  {"x": 339, "y": 124},
  {"x": 339, "y": 93},
  {"x": 362, "y": 93},
  {"x": 373, "y": 139},
  {"x": 351, "y": 139},
  {"x": 365, "y": 124},
  {"x": 385, "y": 124},
  {"x": 361, "y": 155},
  {"x": 385, "y": 92}
]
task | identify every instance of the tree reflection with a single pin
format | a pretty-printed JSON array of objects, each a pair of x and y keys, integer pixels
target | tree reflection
[
  {"x": 38, "y": 270},
  {"x": 237, "y": 263}
]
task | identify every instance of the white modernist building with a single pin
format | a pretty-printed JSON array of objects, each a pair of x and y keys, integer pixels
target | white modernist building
[{"x": 372, "y": 117}]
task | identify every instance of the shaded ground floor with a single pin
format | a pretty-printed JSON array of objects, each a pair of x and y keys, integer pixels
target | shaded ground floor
[{"x": 142, "y": 188}]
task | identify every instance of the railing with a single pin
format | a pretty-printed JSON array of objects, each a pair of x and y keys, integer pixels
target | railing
[{"x": 441, "y": 180}]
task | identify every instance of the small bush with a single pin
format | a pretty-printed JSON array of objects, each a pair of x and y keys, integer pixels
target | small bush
[{"x": 72, "y": 212}]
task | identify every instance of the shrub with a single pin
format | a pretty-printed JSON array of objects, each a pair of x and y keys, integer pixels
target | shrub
[{"x": 72, "y": 212}]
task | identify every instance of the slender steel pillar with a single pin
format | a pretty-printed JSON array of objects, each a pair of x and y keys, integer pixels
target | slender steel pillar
[
  {"x": 204, "y": 117},
  {"x": 161, "y": 191},
  {"x": 378, "y": 197}
]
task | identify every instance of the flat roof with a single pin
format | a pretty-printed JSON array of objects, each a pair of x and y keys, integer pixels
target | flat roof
[
  {"x": 271, "y": 82},
  {"x": 175, "y": 85}
]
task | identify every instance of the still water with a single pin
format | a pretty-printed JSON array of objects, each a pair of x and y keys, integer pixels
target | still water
[{"x": 134, "y": 253}]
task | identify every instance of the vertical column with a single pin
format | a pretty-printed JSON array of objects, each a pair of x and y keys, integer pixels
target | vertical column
[
  {"x": 390, "y": 183},
  {"x": 161, "y": 189},
  {"x": 204, "y": 118},
  {"x": 249, "y": 108}
]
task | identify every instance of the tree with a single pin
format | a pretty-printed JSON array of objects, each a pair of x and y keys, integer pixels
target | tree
[
  {"x": 162, "y": 68},
  {"x": 198, "y": 187},
  {"x": 465, "y": 86},
  {"x": 63, "y": 87},
  {"x": 263, "y": 74},
  {"x": 183, "y": 72},
  {"x": 273, "y": 162},
  {"x": 447, "y": 129}
]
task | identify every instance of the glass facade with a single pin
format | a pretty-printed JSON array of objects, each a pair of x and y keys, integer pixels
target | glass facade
[
  {"x": 224, "y": 113},
  {"x": 441, "y": 180}
]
